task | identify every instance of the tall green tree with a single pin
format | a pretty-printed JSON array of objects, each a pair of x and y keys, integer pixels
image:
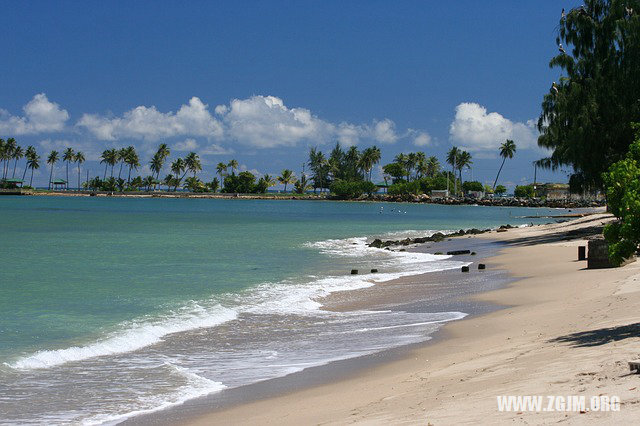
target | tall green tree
[
  {"x": 286, "y": 177},
  {"x": 52, "y": 159},
  {"x": 33, "y": 163},
  {"x": 463, "y": 161},
  {"x": 507, "y": 149},
  {"x": 233, "y": 164},
  {"x": 433, "y": 166},
  {"x": 586, "y": 116},
  {"x": 452, "y": 158},
  {"x": 79, "y": 159},
  {"x": 9, "y": 149},
  {"x": 69, "y": 156},
  {"x": 192, "y": 163},
  {"x": 28, "y": 154},
  {"x": 18, "y": 153}
]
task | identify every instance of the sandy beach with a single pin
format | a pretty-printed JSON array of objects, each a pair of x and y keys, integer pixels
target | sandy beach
[{"x": 564, "y": 331}]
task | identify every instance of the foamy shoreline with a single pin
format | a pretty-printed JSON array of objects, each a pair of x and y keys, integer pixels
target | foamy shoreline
[{"x": 542, "y": 343}]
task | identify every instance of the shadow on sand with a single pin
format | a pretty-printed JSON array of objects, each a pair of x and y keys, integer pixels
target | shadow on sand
[{"x": 601, "y": 336}]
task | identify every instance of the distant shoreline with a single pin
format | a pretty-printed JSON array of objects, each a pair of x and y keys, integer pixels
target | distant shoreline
[{"x": 418, "y": 199}]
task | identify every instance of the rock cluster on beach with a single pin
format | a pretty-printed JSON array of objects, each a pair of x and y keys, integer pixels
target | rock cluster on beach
[
  {"x": 438, "y": 236},
  {"x": 496, "y": 201}
]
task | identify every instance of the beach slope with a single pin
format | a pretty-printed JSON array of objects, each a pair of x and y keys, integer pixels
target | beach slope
[{"x": 564, "y": 331}]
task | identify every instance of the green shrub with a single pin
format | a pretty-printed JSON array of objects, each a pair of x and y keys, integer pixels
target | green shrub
[
  {"x": 403, "y": 188},
  {"x": 472, "y": 186},
  {"x": 622, "y": 183},
  {"x": 523, "y": 191},
  {"x": 346, "y": 189},
  {"x": 500, "y": 189}
]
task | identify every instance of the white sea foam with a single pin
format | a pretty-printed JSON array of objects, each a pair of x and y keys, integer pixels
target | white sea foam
[
  {"x": 131, "y": 337},
  {"x": 196, "y": 386},
  {"x": 269, "y": 298}
]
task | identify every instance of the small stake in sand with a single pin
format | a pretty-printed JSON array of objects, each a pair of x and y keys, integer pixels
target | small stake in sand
[{"x": 582, "y": 253}]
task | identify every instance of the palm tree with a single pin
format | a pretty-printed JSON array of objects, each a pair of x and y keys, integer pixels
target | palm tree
[
  {"x": 221, "y": 169},
  {"x": 286, "y": 177},
  {"x": 79, "y": 158},
  {"x": 68, "y": 157},
  {"x": 421, "y": 164},
  {"x": 192, "y": 163},
  {"x": 28, "y": 154},
  {"x": 159, "y": 158},
  {"x": 3, "y": 152},
  {"x": 507, "y": 149},
  {"x": 433, "y": 166},
  {"x": 112, "y": 158},
  {"x": 452, "y": 157},
  {"x": 269, "y": 180},
  {"x": 234, "y": 165},
  {"x": 33, "y": 163},
  {"x": 18, "y": 153},
  {"x": 132, "y": 160},
  {"x": 464, "y": 160},
  {"x": 403, "y": 160},
  {"x": 369, "y": 158},
  {"x": 52, "y": 159},
  {"x": 122, "y": 155},
  {"x": 104, "y": 158},
  {"x": 9, "y": 148},
  {"x": 177, "y": 167},
  {"x": 302, "y": 185}
]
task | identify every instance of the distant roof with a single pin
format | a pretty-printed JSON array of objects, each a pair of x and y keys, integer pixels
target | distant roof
[
  {"x": 13, "y": 180},
  {"x": 382, "y": 185},
  {"x": 59, "y": 182}
]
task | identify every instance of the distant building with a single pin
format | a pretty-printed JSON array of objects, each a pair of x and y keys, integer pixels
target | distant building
[
  {"x": 475, "y": 194},
  {"x": 439, "y": 193},
  {"x": 553, "y": 191}
]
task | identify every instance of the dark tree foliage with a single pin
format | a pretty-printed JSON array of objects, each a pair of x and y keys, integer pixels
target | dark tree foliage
[{"x": 585, "y": 116}]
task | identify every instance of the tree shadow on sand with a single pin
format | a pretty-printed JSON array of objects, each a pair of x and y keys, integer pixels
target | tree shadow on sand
[{"x": 600, "y": 336}]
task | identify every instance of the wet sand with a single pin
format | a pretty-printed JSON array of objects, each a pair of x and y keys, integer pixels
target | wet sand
[{"x": 565, "y": 330}]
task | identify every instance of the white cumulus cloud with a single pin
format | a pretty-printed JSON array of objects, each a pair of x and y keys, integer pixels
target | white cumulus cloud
[
  {"x": 266, "y": 122},
  {"x": 40, "y": 116},
  {"x": 147, "y": 123},
  {"x": 475, "y": 129},
  {"x": 421, "y": 138}
]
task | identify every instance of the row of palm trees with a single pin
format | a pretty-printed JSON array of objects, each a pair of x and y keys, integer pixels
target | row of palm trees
[
  {"x": 10, "y": 150},
  {"x": 416, "y": 165}
]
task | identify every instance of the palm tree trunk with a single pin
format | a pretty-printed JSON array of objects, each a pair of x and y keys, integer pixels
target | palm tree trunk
[
  {"x": 31, "y": 181},
  {"x": 15, "y": 164},
  {"x": 105, "y": 171},
  {"x": 78, "y": 176},
  {"x": 129, "y": 177},
  {"x": 67, "y": 175},
  {"x": 24, "y": 174},
  {"x": 112, "y": 169},
  {"x": 120, "y": 172},
  {"x": 496, "y": 181},
  {"x": 50, "y": 176}
]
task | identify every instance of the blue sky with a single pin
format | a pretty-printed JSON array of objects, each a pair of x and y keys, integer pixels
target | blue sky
[{"x": 263, "y": 81}]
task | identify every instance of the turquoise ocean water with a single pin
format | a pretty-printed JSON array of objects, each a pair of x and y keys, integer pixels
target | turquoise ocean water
[{"x": 111, "y": 307}]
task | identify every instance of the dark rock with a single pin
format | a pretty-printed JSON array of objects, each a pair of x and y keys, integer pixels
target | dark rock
[
  {"x": 458, "y": 252},
  {"x": 465, "y": 269},
  {"x": 373, "y": 271},
  {"x": 354, "y": 272},
  {"x": 482, "y": 266}
]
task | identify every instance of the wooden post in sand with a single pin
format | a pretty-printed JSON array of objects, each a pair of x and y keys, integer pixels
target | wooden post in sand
[{"x": 582, "y": 253}]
